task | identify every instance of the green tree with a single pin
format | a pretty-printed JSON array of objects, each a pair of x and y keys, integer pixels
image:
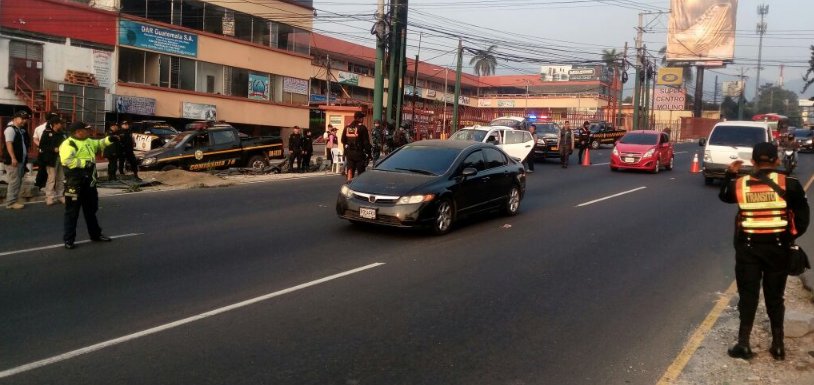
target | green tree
[
  {"x": 776, "y": 99},
  {"x": 809, "y": 77},
  {"x": 484, "y": 61},
  {"x": 686, "y": 69}
]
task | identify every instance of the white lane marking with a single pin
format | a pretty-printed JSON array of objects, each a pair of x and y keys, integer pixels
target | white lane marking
[
  {"x": 144, "y": 333},
  {"x": 808, "y": 184},
  {"x": 610, "y": 196},
  {"x": 61, "y": 244},
  {"x": 600, "y": 164}
]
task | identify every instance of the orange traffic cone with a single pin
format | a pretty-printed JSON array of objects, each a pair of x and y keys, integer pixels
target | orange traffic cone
[
  {"x": 586, "y": 158},
  {"x": 696, "y": 168}
]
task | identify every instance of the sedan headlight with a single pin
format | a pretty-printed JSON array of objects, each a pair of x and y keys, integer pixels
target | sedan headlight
[
  {"x": 615, "y": 151},
  {"x": 413, "y": 199},
  {"x": 346, "y": 191},
  {"x": 649, "y": 153},
  {"x": 808, "y": 141},
  {"x": 148, "y": 161}
]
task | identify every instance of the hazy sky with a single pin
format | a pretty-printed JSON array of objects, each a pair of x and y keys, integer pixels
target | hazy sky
[{"x": 578, "y": 30}]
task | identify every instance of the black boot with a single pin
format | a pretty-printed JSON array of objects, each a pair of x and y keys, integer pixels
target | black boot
[
  {"x": 742, "y": 349},
  {"x": 778, "y": 350}
]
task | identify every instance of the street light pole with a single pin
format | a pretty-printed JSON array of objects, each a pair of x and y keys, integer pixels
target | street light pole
[{"x": 446, "y": 88}]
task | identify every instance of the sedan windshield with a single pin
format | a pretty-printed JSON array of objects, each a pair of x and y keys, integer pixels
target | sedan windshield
[
  {"x": 507, "y": 123},
  {"x": 548, "y": 128},
  {"x": 176, "y": 140},
  {"x": 639, "y": 138},
  {"x": 420, "y": 159},
  {"x": 737, "y": 136},
  {"x": 471, "y": 135}
]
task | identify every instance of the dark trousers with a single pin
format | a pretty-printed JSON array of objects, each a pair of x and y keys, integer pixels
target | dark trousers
[
  {"x": 564, "y": 158},
  {"x": 87, "y": 201},
  {"x": 766, "y": 262},
  {"x": 113, "y": 166},
  {"x": 581, "y": 153},
  {"x": 130, "y": 158},
  {"x": 306, "y": 162},
  {"x": 42, "y": 173},
  {"x": 294, "y": 156}
]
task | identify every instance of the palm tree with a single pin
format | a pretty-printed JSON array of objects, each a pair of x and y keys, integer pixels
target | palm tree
[
  {"x": 809, "y": 78},
  {"x": 612, "y": 60},
  {"x": 484, "y": 61},
  {"x": 687, "y": 70}
]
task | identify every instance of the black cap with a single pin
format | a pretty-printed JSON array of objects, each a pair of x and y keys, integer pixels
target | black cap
[
  {"x": 54, "y": 119},
  {"x": 22, "y": 114},
  {"x": 78, "y": 126},
  {"x": 764, "y": 152},
  {"x": 359, "y": 115}
]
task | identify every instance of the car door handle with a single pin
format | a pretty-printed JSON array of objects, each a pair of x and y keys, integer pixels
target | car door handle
[
  {"x": 486, "y": 179},
  {"x": 527, "y": 146}
]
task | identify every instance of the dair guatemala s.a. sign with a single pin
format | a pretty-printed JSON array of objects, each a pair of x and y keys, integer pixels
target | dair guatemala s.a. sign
[{"x": 158, "y": 39}]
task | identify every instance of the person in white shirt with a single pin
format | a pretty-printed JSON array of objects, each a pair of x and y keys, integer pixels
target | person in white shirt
[
  {"x": 42, "y": 174},
  {"x": 15, "y": 157}
]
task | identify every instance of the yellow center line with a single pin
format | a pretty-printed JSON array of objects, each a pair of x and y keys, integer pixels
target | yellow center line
[{"x": 674, "y": 370}]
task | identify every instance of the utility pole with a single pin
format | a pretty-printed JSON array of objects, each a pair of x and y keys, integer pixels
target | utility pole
[
  {"x": 762, "y": 10},
  {"x": 742, "y": 97},
  {"x": 328, "y": 79},
  {"x": 393, "y": 54},
  {"x": 380, "y": 30},
  {"x": 715, "y": 95},
  {"x": 456, "y": 102},
  {"x": 639, "y": 64},
  {"x": 415, "y": 77},
  {"x": 647, "y": 72},
  {"x": 699, "y": 91},
  {"x": 401, "y": 80},
  {"x": 621, "y": 88}
]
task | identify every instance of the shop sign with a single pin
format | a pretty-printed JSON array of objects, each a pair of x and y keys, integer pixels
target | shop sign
[
  {"x": 208, "y": 112},
  {"x": 431, "y": 94},
  {"x": 295, "y": 86},
  {"x": 485, "y": 103},
  {"x": 102, "y": 67},
  {"x": 582, "y": 73},
  {"x": 463, "y": 100},
  {"x": 135, "y": 105},
  {"x": 505, "y": 103},
  {"x": 158, "y": 39},
  {"x": 669, "y": 99},
  {"x": 348, "y": 78},
  {"x": 417, "y": 91},
  {"x": 259, "y": 87}
]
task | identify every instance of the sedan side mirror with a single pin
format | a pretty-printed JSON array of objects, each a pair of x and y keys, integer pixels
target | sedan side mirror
[
  {"x": 702, "y": 142},
  {"x": 469, "y": 171}
]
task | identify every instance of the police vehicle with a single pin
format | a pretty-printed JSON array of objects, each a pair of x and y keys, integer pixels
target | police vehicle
[{"x": 214, "y": 147}]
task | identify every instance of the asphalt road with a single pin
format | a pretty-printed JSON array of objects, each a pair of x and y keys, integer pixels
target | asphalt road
[{"x": 561, "y": 294}]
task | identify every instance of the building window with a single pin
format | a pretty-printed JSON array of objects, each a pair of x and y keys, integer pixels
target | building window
[
  {"x": 237, "y": 80},
  {"x": 261, "y": 32},
  {"x": 192, "y": 15},
  {"x": 134, "y": 7},
  {"x": 131, "y": 66},
  {"x": 160, "y": 10},
  {"x": 210, "y": 78},
  {"x": 243, "y": 26},
  {"x": 214, "y": 18}
]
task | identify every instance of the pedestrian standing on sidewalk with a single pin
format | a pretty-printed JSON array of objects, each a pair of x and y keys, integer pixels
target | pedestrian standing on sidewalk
[
  {"x": 566, "y": 144},
  {"x": 113, "y": 152},
  {"x": 52, "y": 138},
  {"x": 42, "y": 173},
  {"x": 295, "y": 149},
  {"x": 772, "y": 212},
  {"x": 16, "y": 156},
  {"x": 307, "y": 151},
  {"x": 127, "y": 146},
  {"x": 378, "y": 140},
  {"x": 330, "y": 143},
  {"x": 78, "y": 155}
]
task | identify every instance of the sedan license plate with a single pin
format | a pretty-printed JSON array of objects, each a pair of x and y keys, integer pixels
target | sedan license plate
[
  {"x": 367, "y": 213},
  {"x": 629, "y": 160},
  {"x": 554, "y": 148}
]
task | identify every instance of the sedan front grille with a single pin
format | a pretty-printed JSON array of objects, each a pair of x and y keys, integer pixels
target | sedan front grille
[
  {"x": 630, "y": 157},
  {"x": 373, "y": 198}
]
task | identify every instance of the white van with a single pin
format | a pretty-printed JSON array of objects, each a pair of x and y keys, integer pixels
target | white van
[{"x": 730, "y": 141}]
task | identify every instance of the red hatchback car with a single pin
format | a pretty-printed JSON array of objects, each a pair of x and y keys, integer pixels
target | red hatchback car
[{"x": 643, "y": 150}]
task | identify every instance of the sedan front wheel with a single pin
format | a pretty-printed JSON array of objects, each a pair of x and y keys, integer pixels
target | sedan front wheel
[
  {"x": 513, "y": 203},
  {"x": 444, "y": 215}
]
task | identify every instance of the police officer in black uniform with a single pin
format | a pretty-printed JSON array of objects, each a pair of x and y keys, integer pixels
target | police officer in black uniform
[
  {"x": 773, "y": 212},
  {"x": 295, "y": 149},
  {"x": 127, "y": 147},
  {"x": 356, "y": 139}
]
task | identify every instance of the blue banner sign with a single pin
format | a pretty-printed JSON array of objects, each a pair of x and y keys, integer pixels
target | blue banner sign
[{"x": 158, "y": 39}]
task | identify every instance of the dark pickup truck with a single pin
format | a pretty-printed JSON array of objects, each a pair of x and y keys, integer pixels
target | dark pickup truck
[
  {"x": 218, "y": 146},
  {"x": 603, "y": 133}
]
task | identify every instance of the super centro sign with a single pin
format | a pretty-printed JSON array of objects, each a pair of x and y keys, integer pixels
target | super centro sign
[{"x": 670, "y": 99}]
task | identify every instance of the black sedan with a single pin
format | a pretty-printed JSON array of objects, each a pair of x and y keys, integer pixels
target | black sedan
[{"x": 433, "y": 183}]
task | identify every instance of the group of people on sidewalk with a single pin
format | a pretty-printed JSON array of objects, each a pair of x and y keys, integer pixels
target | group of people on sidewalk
[{"x": 69, "y": 163}]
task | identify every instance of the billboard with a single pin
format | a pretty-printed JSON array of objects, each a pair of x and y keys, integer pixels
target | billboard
[
  {"x": 733, "y": 88},
  {"x": 199, "y": 111},
  {"x": 669, "y": 99},
  {"x": 259, "y": 87},
  {"x": 701, "y": 30},
  {"x": 157, "y": 39}
]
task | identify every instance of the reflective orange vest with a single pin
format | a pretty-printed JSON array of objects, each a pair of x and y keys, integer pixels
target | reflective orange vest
[{"x": 762, "y": 210}]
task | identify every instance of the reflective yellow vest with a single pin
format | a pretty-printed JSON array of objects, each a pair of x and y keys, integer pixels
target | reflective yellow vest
[{"x": 762, "y": 210}]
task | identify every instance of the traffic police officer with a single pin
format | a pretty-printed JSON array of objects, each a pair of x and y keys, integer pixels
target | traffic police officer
[
  {"x": 356, "y": 139},
  {"x": 773, "y": 211},
  {"x": 78, "y": 155}
]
